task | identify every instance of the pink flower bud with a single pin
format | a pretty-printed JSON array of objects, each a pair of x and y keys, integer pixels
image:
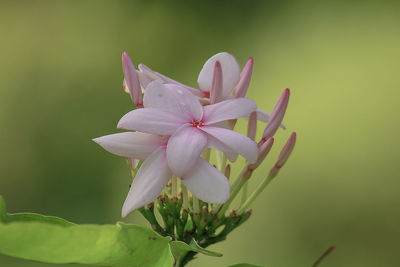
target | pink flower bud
[
  {"x": 263, "y": 151},
  {"x": 216, "y": 85},
  {"x": 284, "y": 155},
  {"x": 245, "y": 77},
  {"x": 252, "y": 125},
  {"x": 277, "y": 115},
  {"x": 132, "y": 80}
]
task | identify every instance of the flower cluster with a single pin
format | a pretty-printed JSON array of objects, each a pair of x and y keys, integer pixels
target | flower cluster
[{"x": 174, "y": 127}]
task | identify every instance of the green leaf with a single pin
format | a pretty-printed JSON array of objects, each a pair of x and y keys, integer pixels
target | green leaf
[
  {"x": 19, "y": 217},
  {"x": 179, "y": 249},
  {"x": 244, "y": 265},
  {"x": 109, "y": 245}
]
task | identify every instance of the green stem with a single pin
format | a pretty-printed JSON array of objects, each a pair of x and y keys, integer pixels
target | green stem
[{"x": 256, "y": 193}]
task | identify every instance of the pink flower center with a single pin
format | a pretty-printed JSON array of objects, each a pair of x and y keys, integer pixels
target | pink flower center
[{"x": 197, "y": 123}]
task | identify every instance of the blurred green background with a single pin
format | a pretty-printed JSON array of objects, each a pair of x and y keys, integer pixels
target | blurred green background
[{"x": 61, "y": 86}]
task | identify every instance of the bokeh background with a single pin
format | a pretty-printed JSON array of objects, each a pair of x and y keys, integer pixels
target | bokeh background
[{"x": 61, "y": 86}]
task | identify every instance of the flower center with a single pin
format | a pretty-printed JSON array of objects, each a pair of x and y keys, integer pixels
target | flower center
[{"x": 197, "y": 123}]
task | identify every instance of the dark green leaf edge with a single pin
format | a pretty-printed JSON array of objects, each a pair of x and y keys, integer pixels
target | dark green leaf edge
[{"x": 29, "y": 217}]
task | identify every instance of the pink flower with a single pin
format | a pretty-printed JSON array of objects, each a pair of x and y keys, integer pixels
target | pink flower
[
  {"x": 203, "y": 180},
  {"x": 172, "y": 110}
]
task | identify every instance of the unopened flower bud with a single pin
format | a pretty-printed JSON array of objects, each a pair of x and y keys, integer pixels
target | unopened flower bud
[
  {"x": 245, "y": 77},
  {"x": 216, "y": 85},
  {"x": 132, "y": 80},
  {"x": 227, "y": 171},
  {"x": 277, "y": 115},
  {"x": 252, "y": 125},
  {"x": 263, "y": 151},
  {"x": 284, "y": 155}
]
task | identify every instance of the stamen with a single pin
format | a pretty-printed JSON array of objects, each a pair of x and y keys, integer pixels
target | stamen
[{"x": 197, "y": 123}]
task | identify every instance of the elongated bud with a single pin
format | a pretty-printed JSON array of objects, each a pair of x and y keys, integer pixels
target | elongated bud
[
  {"x": 228, "y": 171},
  {"x": 277, "y": 115},
  {"x": 252, "y": 125},
  {"x": 263, "y": 151},
  {"x": 216, "y": 85},
  {"x": 245, "y": 77},
  {"x": 284, "y": 155},
  {"x": 132, "y": 80}
]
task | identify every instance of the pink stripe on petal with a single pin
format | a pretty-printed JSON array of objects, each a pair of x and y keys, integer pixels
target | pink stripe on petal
[
  {"x": 207, "y": 183},
  {"x": 228, "y": 109},
  {"x": 151, "y": 120},
  {"x": 237, "y": 142},
  {"x": 130, "y": 144},
  {"x": 184, "y": 148},
  {"x": 150, "y": 180}
]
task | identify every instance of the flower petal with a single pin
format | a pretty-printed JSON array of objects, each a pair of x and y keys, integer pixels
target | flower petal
[
  {"x": 150, "y": 180},
  {"x": 131, "y": 145},
  {"x": 151, "y": 120},
  {"x": 153, "y": 75},
  {"x": 228, "y": 109},
  {"x": 237, "y": 142},
  {"x": 184, "y": 148},
  {"x": 207, "y": 183},
  {"x": 230, "y": 72},
  {"x": 173, "y": 98}
]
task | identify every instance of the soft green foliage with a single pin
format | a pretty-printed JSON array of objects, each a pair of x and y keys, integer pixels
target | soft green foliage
[
  {"x": 116, "y": 245},
  {"x": 54, "y": 240}
]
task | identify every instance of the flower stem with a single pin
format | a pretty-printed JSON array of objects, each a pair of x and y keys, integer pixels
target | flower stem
[
  {"x": 185, "y": 197},
  {"x": 174, "y": 187},
  {"x": 256, "y": 193},
  {"x": 244, "y": 193},
  {"x": 221, "y": 160},
  {"x": 243, "y": 177}
]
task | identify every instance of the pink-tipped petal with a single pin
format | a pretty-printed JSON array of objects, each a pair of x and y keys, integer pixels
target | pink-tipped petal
[
  {"x": 286, "y": 150},
  {"x": 216, "y": 85},
  {"x": 237, "y": 142},
  {"x": 277, "y": 115},
  {"x": 228, "y": 109},
  {"x": 130, "y": 144},
  {"x": 230, "y": 71},
  {"x": 207, "y": 183},
  {"x": 132, "y": 80},
  {"x": 245, "y": 77},
  {"x": 173, "y": 98},
  {"x": 150, "y": 180},
  {"x": 151, "y": 120},
  {"x": 184, "y": 148},
  {"x": 252, "y": 125}
]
